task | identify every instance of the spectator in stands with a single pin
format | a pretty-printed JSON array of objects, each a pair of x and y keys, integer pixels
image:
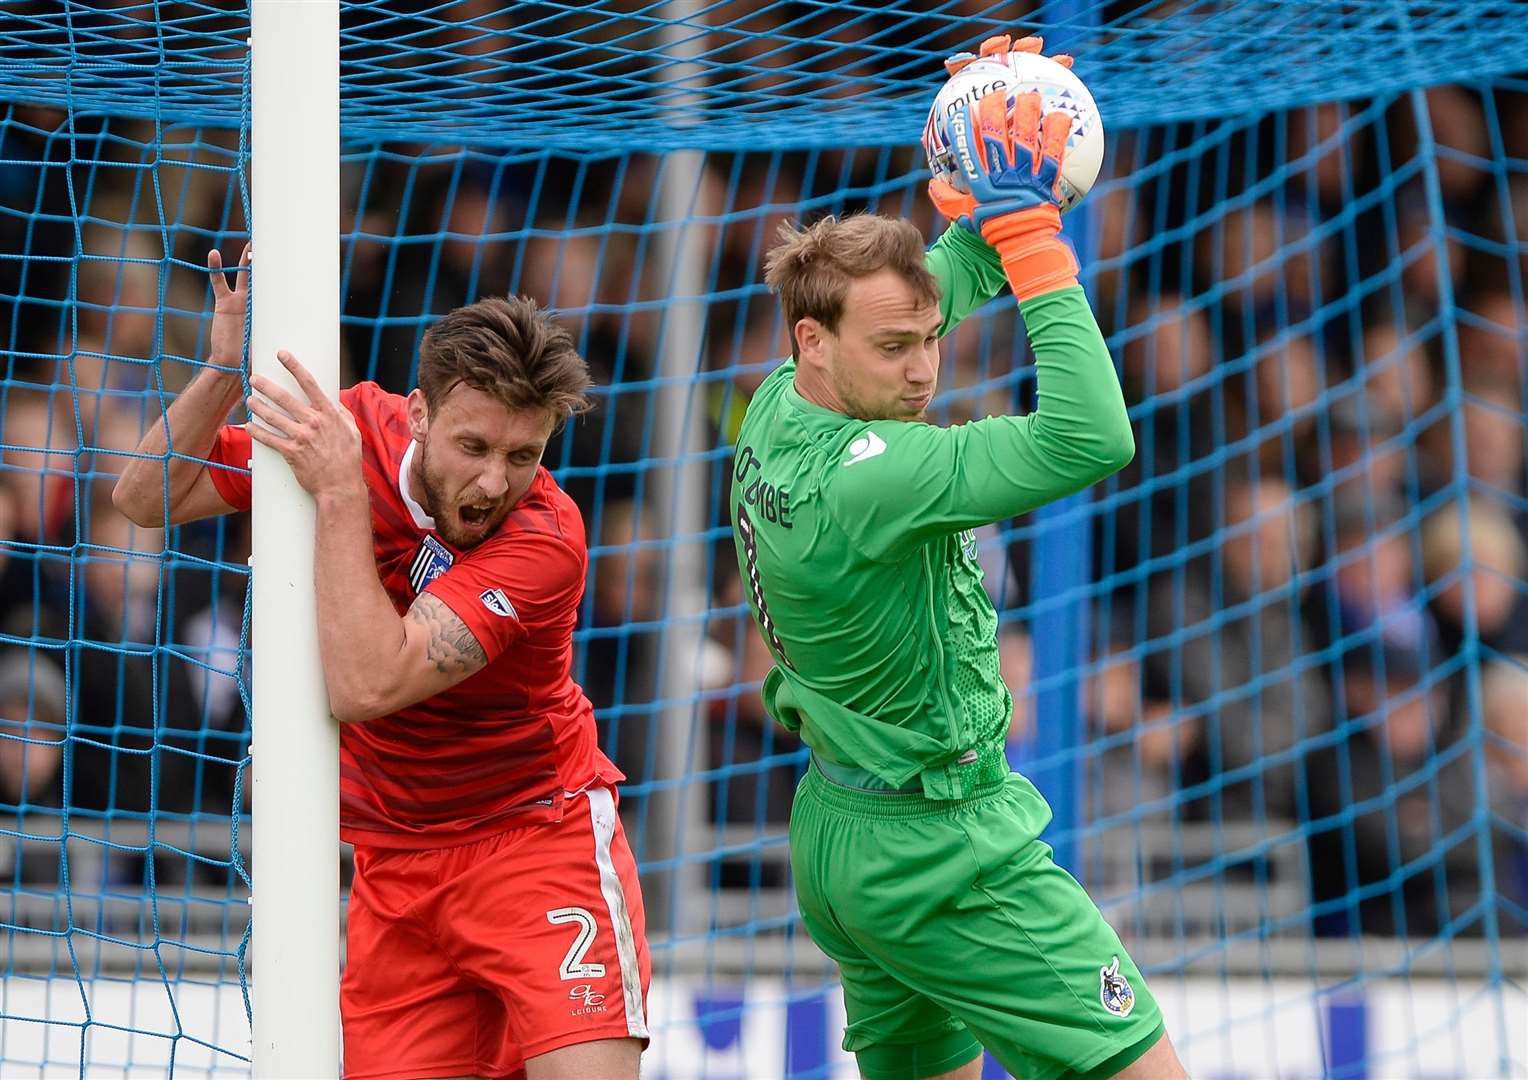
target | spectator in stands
[
  {"x": 1423, "y": 273},
  {"x": 1365, "y": 451},
  {"x": 1494, "y": 437},
  {"x": 1275, "y": 392},
  {"x": 762, "y": 335},
  {"x": 1499, "y": 563},
  {"x": 1335, "y": 144},
  {"x": 767, "y": 60},
  {"x": 451, "y": 217},
  {"x": 620, "y": 657},
  {"x": 121, "y": 324},
  {"x": 205, "y": 624},
  {"x": 14, "y": 588},
  {"x": 1137, "y": 743},
  {"x": 1236, "y": 661},
  {"x": 1374, "y": 582},
  {"x": 41, "y": 478},
  {"x": 1504, "y": 704},
  {"x": 37, "y": 199},
  {"x": 118, "y": 424},
  {"x": 31, "y": 728},
  {"x": 1167, "y": 346},
  {"x": 1290, "y": 380},
  {"x": 1264, "y": 256},
  {"x": 585, "y": 278},
  {"x": 1395, "y": 766},
  {"x": 32, "y": 738},
  {"x": 129, "y": 702},
  {"x": 1131, "y": 769},
  {"x": 1397, "y": 375},
  {"x": 1459, "y": 127},
  {"x": 120, "y": 573},
  {"x": 1116, "y": 222}
]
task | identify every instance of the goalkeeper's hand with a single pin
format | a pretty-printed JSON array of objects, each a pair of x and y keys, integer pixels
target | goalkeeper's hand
[
  {"x": 1010, "y": 160},
  {"x": 948, "y": 200},
  {"x": 1002, "y": 45}
]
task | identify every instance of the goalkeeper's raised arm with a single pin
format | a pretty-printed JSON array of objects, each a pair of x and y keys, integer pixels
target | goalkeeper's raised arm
[
  {"x": 1011, "y": 161},
  {"x": 866, "y": 308}
]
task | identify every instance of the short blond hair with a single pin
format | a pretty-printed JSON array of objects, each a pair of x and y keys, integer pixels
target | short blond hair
[{"x": 811, "y": 267}]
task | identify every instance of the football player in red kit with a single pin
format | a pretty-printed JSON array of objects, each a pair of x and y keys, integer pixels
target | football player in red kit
[{"x": 496, "y": 926}]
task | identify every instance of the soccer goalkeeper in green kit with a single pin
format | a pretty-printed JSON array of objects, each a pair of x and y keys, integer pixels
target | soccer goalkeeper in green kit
[{"x": 914, "y": 849}]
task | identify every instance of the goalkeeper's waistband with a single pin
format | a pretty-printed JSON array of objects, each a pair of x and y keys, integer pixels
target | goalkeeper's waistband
[{"x": 957, "y": 779}]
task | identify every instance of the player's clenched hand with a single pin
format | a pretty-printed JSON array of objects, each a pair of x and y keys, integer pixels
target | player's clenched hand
[
  {"x": 318, "y": 437},
  {"x": 228, "y": 310},
  {"x": 1009, "y": 158}
]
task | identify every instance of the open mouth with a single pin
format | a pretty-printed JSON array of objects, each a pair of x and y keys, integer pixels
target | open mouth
[{"x": 475, "y": 517}]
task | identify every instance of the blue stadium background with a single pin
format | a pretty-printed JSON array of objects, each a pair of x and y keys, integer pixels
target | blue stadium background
[{"x": 1274, "y": 676}]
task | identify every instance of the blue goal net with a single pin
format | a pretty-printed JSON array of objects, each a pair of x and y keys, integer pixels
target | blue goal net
[{"x": 1273, "y": 677}]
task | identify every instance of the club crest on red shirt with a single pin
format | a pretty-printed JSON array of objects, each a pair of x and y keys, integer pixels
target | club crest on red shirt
[{"x": 432, "y": 560}]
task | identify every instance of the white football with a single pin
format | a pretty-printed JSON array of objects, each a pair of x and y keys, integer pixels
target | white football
[{"x": 1021, "y": 73}]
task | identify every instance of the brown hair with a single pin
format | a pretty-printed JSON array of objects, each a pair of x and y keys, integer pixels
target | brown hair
[
  {"x": 811, "y": 267},
  {"x": 509, "y": 348}
]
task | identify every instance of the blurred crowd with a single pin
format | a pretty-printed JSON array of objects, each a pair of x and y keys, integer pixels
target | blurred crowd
[{"x": 1326, "y": 354}]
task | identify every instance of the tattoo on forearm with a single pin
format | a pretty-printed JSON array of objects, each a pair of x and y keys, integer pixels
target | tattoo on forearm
[{"x": 453, "y": 649}]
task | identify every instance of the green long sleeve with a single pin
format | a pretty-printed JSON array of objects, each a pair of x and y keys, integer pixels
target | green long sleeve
[{"x": 969, "y": 273}]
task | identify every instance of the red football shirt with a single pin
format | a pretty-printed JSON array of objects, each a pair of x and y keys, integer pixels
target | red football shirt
[{"x": 500, "y": 748}]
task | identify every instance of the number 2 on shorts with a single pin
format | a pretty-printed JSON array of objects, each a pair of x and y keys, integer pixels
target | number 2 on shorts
[{"x": 573, "y": 966}]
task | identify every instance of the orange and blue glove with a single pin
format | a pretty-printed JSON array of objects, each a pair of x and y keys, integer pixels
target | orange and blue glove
[
  {"x": 1010, "y": 160},
  {"x": 998, "y": 46}
]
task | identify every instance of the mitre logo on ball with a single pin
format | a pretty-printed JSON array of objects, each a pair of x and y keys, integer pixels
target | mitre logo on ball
[{"x": 1021, "y": 73}]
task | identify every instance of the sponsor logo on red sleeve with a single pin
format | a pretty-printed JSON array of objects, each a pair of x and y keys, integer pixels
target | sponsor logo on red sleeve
[{"x": 495, "y": 601}]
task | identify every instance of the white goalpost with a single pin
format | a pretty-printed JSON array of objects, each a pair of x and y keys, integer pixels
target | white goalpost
[{"x": 295, "y": 301}]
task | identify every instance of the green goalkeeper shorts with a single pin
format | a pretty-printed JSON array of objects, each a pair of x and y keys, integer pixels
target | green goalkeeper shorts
[{"x": 954, "y": 929}]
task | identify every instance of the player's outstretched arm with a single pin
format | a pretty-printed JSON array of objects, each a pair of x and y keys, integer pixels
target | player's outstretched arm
[{"x": 157, "y": 489}]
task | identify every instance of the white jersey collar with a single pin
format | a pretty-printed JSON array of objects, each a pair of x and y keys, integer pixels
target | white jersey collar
[{"x": 421, "y": 519}]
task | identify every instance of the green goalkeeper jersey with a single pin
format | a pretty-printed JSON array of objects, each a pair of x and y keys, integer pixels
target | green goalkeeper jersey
[{"x": 856, "y": 545}]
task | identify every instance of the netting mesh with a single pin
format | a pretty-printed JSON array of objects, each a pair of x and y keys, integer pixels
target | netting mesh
[
  {"x": 660, "y": 76},
  {"x": 1285, "y": 737}
]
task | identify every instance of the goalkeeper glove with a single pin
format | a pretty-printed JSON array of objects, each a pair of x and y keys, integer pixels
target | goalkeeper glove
[
  {"x": 1040, "y": 260},
  {"x": 1000, "y": 46},
  {"x": 1011, "y": 162}
]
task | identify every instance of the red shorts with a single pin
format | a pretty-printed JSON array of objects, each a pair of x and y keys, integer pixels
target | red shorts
[{"x": 471, "y": 959}]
